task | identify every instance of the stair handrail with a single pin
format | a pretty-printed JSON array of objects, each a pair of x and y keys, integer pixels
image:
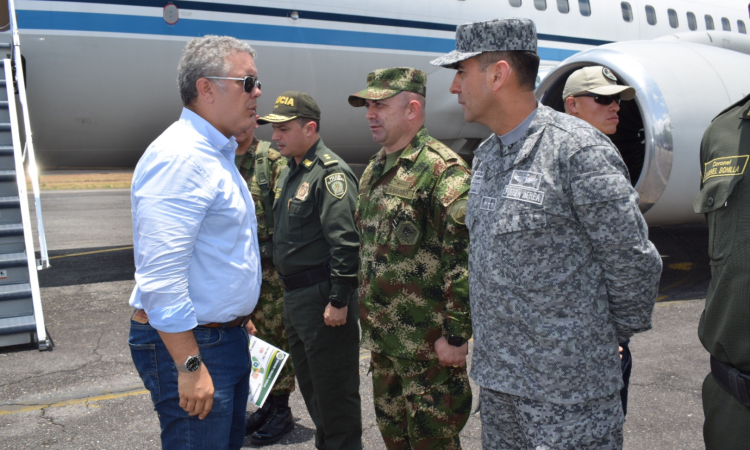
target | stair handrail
[{"x": 32, "y": 169}]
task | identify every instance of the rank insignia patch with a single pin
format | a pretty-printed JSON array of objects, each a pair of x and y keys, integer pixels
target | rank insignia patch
[
  {"x": 407, "y": 233},
  {"x": 336, "y": 185},
  {"x": 307, "y": 163},
  {"x": 303, "y": 191},
  {"x": 488, "y": 203},
  {"x": 526, "y": 179}
]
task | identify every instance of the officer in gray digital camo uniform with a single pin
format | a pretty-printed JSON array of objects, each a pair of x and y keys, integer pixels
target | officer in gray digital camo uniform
[{"x": 560, "y": 265}]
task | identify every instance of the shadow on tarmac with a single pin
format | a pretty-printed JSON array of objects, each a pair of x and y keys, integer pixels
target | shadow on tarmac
[{"x": 88, "y": 265}]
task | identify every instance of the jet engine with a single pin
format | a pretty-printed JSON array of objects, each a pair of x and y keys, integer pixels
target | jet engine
[{"x": 682, "y": 82}]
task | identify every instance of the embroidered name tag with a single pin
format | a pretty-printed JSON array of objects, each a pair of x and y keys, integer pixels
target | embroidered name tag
[
  {"x": 476, "y": 181},
  {"x": 488, "y": 203},
  {"x": 400, "y": 188},
  {"x": 523, "y": 194},
  {"x": 728, "y": 166},
  {"x": 526, "y": 179}
]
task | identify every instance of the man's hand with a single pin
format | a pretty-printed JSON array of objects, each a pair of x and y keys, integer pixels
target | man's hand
[
  {"x": 251, "y": 328},
  {"x": 334, "y": 317},
  {"x": 449, "y": 355},
  {"x": 196, "y": 391},
  {"x": 620, "y": 352}
]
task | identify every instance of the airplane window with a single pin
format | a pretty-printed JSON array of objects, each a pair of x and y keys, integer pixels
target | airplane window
[
  {"x": 541, "y": 5},
  {"x": 725, "y": 24},
  {"x": 627, "y": 12},
  {"x": 563, "y": 6},
  {"x": 692, "y": 23},
  {"x": 515, "y": 3},
  {"x": 741, "y": 27},
  {"x": 585, "y": 7},
  {"x": 673, "y": 22},
  {"x": 650, "y": 15},
  {"x": 709, "y": 22}
]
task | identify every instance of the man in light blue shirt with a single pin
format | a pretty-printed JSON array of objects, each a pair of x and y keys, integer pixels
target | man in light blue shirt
[{"x": 197, "y": 262}]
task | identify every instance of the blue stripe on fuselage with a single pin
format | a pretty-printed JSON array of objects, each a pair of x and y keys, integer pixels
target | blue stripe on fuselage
[{"x": 116, "y": 23}]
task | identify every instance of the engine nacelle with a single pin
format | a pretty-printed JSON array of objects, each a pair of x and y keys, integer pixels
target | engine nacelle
[{"x": 680, "y": 87}]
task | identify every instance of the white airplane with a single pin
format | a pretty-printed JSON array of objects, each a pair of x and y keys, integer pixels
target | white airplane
[{"x": 101, "y": 74}]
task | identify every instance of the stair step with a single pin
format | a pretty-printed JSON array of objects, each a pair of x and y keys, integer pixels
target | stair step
[
  {"x": 6, "y": 150},
  {"x": 3, "y": 104},
  {"x": 15, "y": 291},
  {"x": 4, "y": 126},
  {"x": 10, "y": 202},
  {"x": 22, "y": 324},
  {"x": 12, "y": 260},
  {"x": 11, "y": 229},
  {"x": 7, "y": 175},
  {"x": 4, "y": 44}
]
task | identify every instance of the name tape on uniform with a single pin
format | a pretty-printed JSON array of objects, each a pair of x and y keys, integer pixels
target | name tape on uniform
[
  {"x": 728, "y": 166},
  {"x": 523, "y": 194}
]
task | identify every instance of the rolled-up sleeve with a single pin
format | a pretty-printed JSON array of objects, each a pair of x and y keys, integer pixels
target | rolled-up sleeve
[
  {"x": 607, "y": 207},
  {"x": 169, "y": 203}
]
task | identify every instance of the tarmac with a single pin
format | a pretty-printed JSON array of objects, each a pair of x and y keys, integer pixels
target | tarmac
[{"x": 86, "y": 394}]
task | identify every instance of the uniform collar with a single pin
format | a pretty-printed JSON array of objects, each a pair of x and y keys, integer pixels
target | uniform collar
[
  {"x": 222, "y": 144},
  {"x": 308, "y": 161},
  {"x": 519, "y": 131}
]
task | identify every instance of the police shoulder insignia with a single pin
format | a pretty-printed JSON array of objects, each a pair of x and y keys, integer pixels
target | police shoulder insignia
[
  {"x": 307, "y": 163},
  {"x": 608, "y": 73},
  {"x": 303, "y": 191},
  {"x": 336, "y": 184},
  {"x": 407, "y": 233},
  {"x": 457, "y": 210}
]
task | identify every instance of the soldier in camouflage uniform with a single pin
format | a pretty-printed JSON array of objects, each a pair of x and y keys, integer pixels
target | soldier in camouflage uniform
[
  {"x": 260, "y": 166},
  {"x": 561, "y": 268},
  {"x": 413, "y": 287}
]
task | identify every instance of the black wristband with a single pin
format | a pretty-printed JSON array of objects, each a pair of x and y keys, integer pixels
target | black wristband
[
  {"x": 337, "y": 303},
  {"x": 456, "y": 341}
]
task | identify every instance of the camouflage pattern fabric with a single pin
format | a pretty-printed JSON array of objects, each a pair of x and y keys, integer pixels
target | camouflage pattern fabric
[
  {"x": 499, "y": 35},
  {"x": 268, "y": 316},
  {"x": 520, "y": 423},
  {"x": 413, "y": 285},
  {"x": 385, "y": 83},
  {"x": 419, "y": 405},
  {"x": 561, "y": 268}
]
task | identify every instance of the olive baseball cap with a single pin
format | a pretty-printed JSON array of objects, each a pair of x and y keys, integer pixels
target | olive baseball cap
[
  {"x": 596, "y": 80},
  {"x": 291, "y": 105},
  {"x": 499, "y": 35},
  {"x": 385, "y": 83}
]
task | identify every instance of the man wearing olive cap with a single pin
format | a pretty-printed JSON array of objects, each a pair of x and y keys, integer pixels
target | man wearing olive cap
[
  {"x": 315, "y": 252},
  {"x": 414, "y": 296},
  {"x": 560, "y": 265}
]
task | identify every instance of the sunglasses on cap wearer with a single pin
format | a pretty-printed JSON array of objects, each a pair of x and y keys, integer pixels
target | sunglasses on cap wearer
[
  {"x": 248, "y": 83},
  {"x": 602, "y": 99}
]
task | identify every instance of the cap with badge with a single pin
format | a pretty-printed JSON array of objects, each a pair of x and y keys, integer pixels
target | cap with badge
[
  {"x": 596, "y": 80},
  {"x": 385, "y": 83},
  {"x": 291, "y": 105},
  {"x": 499, "y": 35}
]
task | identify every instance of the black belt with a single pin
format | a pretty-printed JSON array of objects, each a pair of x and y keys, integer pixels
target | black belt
[
  {"x": 306, "y": 277},
  {"x": 736, "y": 383}
]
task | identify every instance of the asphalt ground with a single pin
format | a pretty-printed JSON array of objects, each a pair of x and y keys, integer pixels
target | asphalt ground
[{"x": 86, "y": 394}]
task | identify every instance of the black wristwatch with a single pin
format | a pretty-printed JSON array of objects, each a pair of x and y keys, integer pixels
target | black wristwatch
[
  {"x": 456, "y": 341},
  {"x": 337, "y": 303},
  {"x": 192, "y": 363}
]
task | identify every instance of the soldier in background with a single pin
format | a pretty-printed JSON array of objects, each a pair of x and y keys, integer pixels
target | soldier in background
[
  {"x": 414, "y": 299},
  {"x": 261, "y": 166},
  {"x": 724, "y": 328},
  {"x": 593, "y": 95},
  {"x": 315, "y": 252},
  {"x": 560, "y": 266}
]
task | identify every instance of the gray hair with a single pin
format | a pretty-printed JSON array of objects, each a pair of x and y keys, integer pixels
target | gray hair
[{"x": 206, "y": 57}]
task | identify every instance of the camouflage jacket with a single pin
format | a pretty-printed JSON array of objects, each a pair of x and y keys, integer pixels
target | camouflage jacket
[
  {"x": 413, "y": 285},
  {"x": 246, "y": 164},
  {"x": 561, "y": 268}
]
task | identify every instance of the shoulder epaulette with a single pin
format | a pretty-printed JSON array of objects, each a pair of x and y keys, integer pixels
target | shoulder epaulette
[
  {"x": 273, "y": 154},
  {"x": 443, "y": 150},
  {"x": 328, "y": 160}
]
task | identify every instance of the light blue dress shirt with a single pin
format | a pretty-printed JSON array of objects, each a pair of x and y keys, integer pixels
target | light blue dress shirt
[{"x": 194, "y": 230}]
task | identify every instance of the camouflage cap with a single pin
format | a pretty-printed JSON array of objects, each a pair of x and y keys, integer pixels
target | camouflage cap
[
  {"x": 597, "y": 80},
  {"x": 499, "y": 35},
  {"x": 291, "y": 105},
  {"x": 385, "y": 83}
]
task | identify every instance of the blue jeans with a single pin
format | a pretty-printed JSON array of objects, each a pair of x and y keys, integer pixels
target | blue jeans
[{"x": 225, "y": 354}]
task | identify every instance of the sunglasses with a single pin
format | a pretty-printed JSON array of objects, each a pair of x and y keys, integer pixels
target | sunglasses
[
  {"x": 602, "y": 99},
  {"x": 248, "y": 83}
]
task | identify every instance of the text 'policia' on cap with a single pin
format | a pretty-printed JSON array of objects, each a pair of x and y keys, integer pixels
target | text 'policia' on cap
[{"x": 291, "y": 105}]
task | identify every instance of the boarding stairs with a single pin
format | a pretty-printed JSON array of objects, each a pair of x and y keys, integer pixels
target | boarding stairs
[{"x": 21, "y": 316}]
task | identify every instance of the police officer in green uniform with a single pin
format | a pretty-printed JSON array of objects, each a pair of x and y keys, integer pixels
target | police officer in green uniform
[
  {"x": 315, "y": 250},
  {"x": 724, "y": 327},
  {"x": 261, "y": 166}
]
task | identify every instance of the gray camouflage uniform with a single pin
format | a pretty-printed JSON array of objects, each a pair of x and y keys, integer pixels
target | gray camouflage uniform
[{"x": 560, "y": 271}]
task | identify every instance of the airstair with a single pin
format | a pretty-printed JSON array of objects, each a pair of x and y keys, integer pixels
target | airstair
[{"x": 21, "y": 315}]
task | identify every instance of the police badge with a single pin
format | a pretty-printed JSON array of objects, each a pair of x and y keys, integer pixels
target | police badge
[
  {"x": 336, "y": 185},
  {"x": 302, "y": 192}
]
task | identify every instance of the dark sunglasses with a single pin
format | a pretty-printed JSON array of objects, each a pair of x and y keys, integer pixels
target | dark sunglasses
[
  {"x": 248, "y": 83},
  {"x": 602, "y": 99}
]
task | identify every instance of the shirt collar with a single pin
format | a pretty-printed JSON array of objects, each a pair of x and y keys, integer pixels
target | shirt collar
[
  {"x": 219, "y": 142},
  {"x": 518, "y": 132},
  {"x": 309, "y": 160}
]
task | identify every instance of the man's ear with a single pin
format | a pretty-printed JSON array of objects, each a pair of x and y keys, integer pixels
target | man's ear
[
  {"x": 572, "y": 105},
  {"x": 499, "y": 74},
  {"x": 205, "y": 90},
  {"x": 309, "y": 129},
  {"x": 413, "y": 108}
]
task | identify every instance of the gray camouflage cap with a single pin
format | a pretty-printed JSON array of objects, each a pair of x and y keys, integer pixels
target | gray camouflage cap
[
  {"x": 385, "y": 83},
  {"x": 499, "y": 35}
]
